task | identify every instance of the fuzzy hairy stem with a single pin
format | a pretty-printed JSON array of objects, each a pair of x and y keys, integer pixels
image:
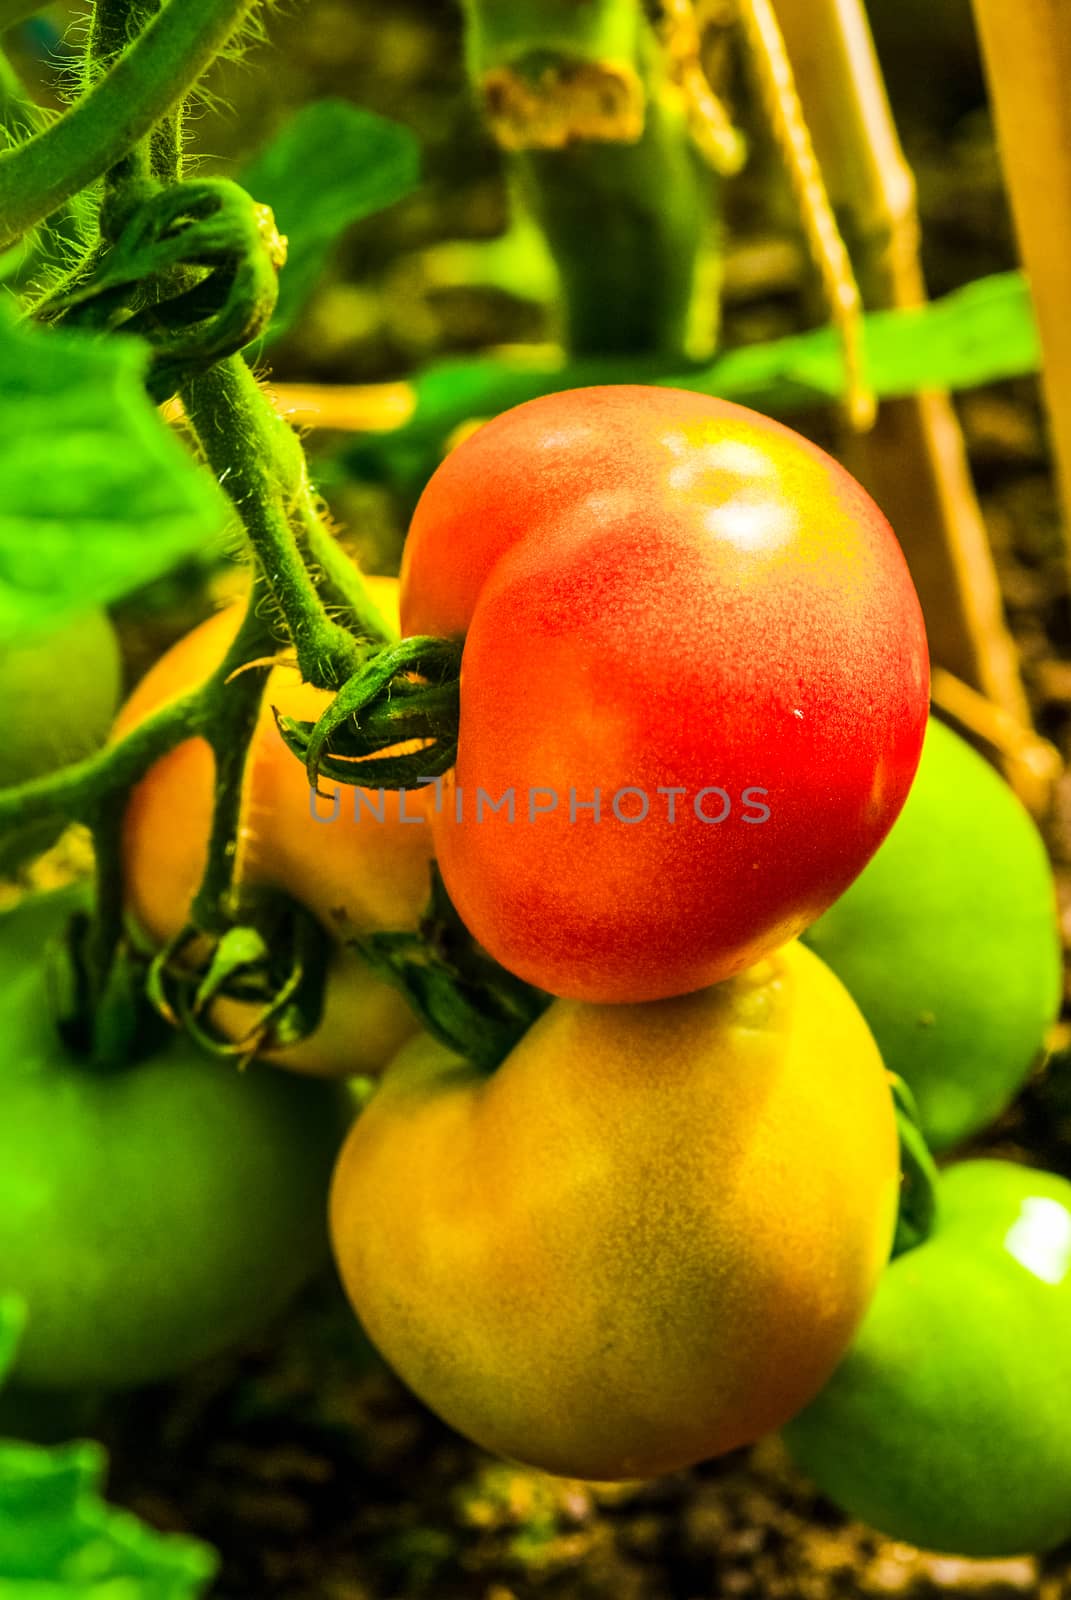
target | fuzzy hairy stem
[
  {"x": 115, "y": 22},
  {"x": 231, "y": 722},
  {"x": 260, "y": 463},
  {"x": 146, "y": 82}
]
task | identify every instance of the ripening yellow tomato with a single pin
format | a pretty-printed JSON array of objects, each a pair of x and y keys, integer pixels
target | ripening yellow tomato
[
  {"x": 646, "y": 1238},
  {"x": 356, "y": 873}
]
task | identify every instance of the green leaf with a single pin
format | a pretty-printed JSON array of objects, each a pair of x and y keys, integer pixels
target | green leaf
[
  {"x": 99, "y": 496},
  {"x": 60, "y": 1541},
  {"x": 977, "y": 334},
  {"x": 331, "y": 165},
  {"x": 12, "y": 1317}
]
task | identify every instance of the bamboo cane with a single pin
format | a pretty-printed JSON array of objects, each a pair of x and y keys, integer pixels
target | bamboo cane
[
  {"x": 1027, "y": 53},
  {"x": 914, "y": 460}
]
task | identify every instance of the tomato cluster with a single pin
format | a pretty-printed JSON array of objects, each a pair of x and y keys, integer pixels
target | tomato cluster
[{"x": 693, "y": 700}]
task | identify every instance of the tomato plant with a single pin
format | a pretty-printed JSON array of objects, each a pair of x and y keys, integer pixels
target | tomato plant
[
  {"x": 74, "y": 670},
  {"x": 359, "y": 863},
  {"x": 949, "y": 942},
  {"x": 693, "y": 689},
  {"x": 153, "y": 1214},
  {"x": 945, "y": 1424},
  {"x": 644, "y": 1188},
  {"x": 645, "y": 1239}
]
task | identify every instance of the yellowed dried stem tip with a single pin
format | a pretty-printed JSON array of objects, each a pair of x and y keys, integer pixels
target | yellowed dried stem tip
[{"x": 561, "y": 101}]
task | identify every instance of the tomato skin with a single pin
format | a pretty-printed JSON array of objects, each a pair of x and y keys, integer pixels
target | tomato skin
[
  {"x": 949, "y": 942},
  {"x": 150, "y": 1216},
  {"x": 704, "y": 603},
  {"x": 946, "y": 1425},
  {"x": 59, "y": 694},
  {"x": 582, "y": 453},
  {"x": 355, "y": 876},
  {"x": 645, "y": 1239}
]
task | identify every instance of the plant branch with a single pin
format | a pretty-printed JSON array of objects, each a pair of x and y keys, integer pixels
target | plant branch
[
  {"x": 147, "y": 81},
  {"x": 75, "y": 791},
  {"x": 260, "y": 463},
  {"x": 598, "y": 136},
  {"x": 231, "y": 724}
]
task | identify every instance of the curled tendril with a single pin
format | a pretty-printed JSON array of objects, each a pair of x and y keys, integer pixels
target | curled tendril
[{"x": 193, "y": 270}]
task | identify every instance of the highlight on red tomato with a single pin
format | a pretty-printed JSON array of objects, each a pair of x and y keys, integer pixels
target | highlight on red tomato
[
  {"x": 644, "y": 1239},
  {"x": 359, "y": 867},
  {"x": 694, "y": 685}
]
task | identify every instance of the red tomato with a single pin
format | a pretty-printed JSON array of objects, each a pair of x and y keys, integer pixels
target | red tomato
[{"x": 689, "y": 611}]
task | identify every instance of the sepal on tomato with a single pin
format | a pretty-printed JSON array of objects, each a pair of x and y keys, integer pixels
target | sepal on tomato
[
  {"x": 461, "y": 995},
  {"x": 917, "y": 1215},
  {"x": 107, "y": 1025},
  {"x": 406, "y": 693},
  {"x": 277, "y": 963}
]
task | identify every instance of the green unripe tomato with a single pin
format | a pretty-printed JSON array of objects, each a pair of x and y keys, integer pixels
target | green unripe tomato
[
  {"x": 150, "y": 1215},
  {"x": 59, "y": 693},
  {"x": 948, "y": 942},
  {"x": 947, "y": 1425}
]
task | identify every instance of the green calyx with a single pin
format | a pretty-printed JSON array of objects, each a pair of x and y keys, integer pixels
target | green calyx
[
  {"x": 276, "y": 964},
  {"x": 406, "y": 692},
  {"x": 919, "y": 1179},
  {"x": 463, "y": 998}
]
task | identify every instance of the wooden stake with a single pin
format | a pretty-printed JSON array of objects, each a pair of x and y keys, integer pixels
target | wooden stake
[
  {"x": 1027, "y": 51},
  {"x": 914, "y": 460}
]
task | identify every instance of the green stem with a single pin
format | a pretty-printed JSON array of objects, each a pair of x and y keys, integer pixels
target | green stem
[
  {"x": 76, "y": 791},
  {"x": 150, "y": 78},
  {"x": 105, "y": 931},
  {"x": 344, "y": 583},
  {"x": 650, "y": 285},
  {"x": 260, "y": 463},
  {"x": 160, "y": 154},
  {"x": 232, "y": 722},
  {"x": 20, "y": 119},
  {"x": 599, "y": 142},
  {"x": 114, "y": 24}
]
